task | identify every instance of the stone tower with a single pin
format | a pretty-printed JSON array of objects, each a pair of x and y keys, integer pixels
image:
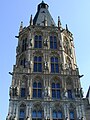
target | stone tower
[{"x": 45, "y": 79}]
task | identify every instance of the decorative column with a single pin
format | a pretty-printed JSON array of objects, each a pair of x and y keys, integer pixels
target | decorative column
[
  {"x": 30, "y": 111},
  {"x": 17, "y": 112},
  {"x": 77, "y": 111},
  {"x": 83, "y": 112},
  {"x": 66, "y": 112}
]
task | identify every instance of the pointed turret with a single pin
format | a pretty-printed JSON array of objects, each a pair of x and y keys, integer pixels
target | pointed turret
[
  {"x": 21, "y": 26},
  {"x": 42, "y": 13}
]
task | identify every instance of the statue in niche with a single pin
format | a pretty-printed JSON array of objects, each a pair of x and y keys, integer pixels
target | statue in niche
[
  {"x": 46, "y": 65},
  {"x": 65, "y": 94},
  {"x": 46, "y": 91},
  {"x": 31, "y": 42},
  {"x": 46, "y": 42}
]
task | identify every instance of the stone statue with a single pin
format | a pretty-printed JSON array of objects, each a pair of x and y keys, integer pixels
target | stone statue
[{"x": 46, "y": 65}]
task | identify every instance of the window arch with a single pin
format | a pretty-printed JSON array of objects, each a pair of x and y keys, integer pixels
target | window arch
[
  {"x": 71, "y": 115},
  {"x": 54, "y": 65},
  {"x": 37, "y": 89},
  {"x": 53, "y": 42},
  {"x": 56, "y": 90},
  {"x": 57, "y": 115},
  {"x": 38, "y": 41},
  {"x": 22, "y": 112},
  {"x": 37, "y": 112},
  {"x": 37, "y": 64}
]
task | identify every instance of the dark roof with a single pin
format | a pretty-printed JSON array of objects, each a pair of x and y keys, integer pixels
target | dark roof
[{"x": 42, "y": 13}]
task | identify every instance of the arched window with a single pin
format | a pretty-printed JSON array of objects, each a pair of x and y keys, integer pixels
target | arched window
[
  {"x": 71, "y": 114},
  {"x": 56, "y": 90},
  {"x": 24, "y": 44},
  {"x": 37, "y": 115},
  {"x": 37, "y": 64},
  {"x": 22, "y": 112},
  {"x": 53, "y": 42},
  {"x": 54, "y": 65},
  {"x": 57, "y": 115},
  {"x": 38, "y": 41},
  {"x": 37, "y": 90}
]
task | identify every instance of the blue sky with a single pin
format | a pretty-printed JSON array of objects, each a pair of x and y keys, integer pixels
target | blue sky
[{"x": 75, "y": 13}]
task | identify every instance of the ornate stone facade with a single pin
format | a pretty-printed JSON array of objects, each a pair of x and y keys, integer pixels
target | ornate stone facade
[{"x": 45, "y": 79}]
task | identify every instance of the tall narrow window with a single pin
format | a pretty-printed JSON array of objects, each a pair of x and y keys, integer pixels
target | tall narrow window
[
  {"x": 71, "y": 115},
  {"x": 37, "y": 64},
  {"x": 24, "y": 44},
  {"x": 37, "y": 90},
  {"x": 53, "y": 42},
  {"x": 57, "y": 115},
  {"x": 38, "y": 41},
  {"x": 56, "y": 90},
  {"x": 23, "y": 92},
  {"x": 54, "y": 65},
  {"x": 22, "y": 112}
]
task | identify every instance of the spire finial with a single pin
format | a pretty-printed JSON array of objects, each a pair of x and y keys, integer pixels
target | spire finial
[
  {"x": 21, "y": 26},
  {"x": 67, "y": 28},
  {"x": 42, "y": 1},
  {"x": 31, "y": 20},
  {"x": 59, "y": 22}
]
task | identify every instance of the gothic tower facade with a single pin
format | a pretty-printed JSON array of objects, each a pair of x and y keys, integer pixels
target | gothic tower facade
[{"x": 45, "y": 79}]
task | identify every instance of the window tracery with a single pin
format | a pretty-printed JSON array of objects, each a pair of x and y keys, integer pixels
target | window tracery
[
  {"x": 37, "y": 112},
  {"x": 37, "y": 64},
  {"x": 57, "y": 113},
  {"x": 53, "y": 42},
  {"x": 38, "y": 41},
  {"x": 54, "y": 64},
  {"x": 22, "y": 112},
  {"x": 37, "y": 89}
]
